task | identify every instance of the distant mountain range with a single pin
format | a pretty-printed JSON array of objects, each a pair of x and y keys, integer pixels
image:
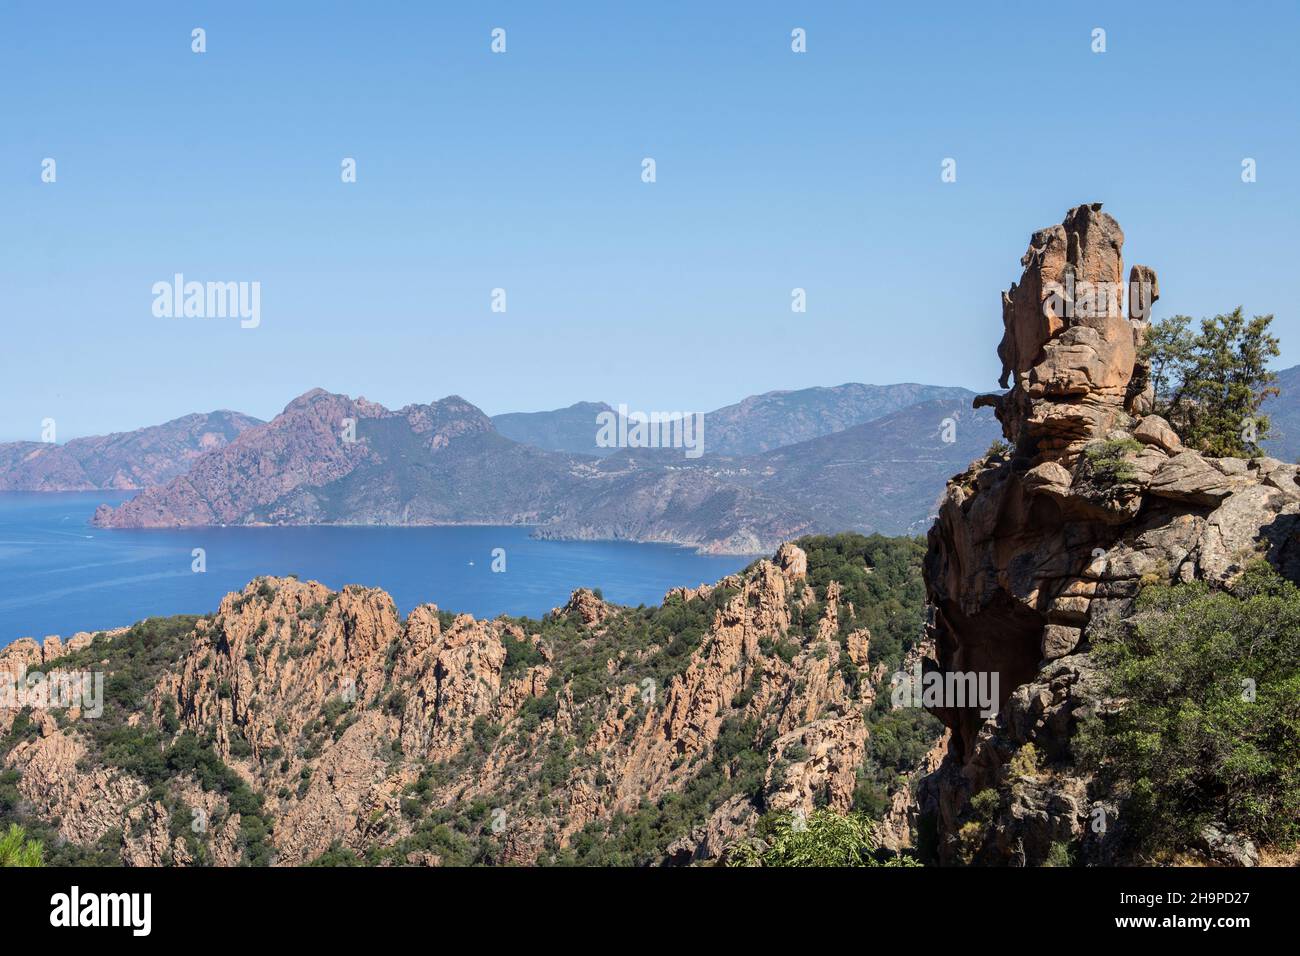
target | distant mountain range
[
  {"x": 756, "y": 424},
  {"x": 448, "y": 463},
  {"x": 122, "y": 461},
  {"x": 850, "y": 457},
  {"x": 571, "y": 429},
  {"x": 1284, "y": 417},
  {"x": 885, "y": 475}
]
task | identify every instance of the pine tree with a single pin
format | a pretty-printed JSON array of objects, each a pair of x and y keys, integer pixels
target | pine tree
[
  {"x": 1210, "y": 385},
  {"x": 17, "y": 850}
]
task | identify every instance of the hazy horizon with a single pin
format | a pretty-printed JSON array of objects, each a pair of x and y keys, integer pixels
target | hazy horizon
[
  {"x": 522, "y": 171},
  {"x": 268, "y": 415}
]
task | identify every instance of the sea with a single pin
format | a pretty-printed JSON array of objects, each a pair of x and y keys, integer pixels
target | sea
[{"x": 59, "y": 575}]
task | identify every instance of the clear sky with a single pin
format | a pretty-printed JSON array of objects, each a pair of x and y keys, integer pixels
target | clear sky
[{"x": 522, "y": 171}]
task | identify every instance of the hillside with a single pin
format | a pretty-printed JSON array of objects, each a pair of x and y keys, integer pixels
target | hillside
[
  {"x": 571, "y": 429},
  {"x": 753, "y": 425},
  {"x": 436, "y": 463},
  {"x": 885, "y": 475},
  {"x": 303, "y": 725},
  {"x": 445, "y": 463},
  {"x": 1283, "y": 411},
  {"x": 772, "y": 420},
  {"x": 122, "y": 461}
]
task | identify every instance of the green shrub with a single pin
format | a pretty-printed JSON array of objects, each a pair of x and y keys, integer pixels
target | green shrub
[
  {"x": 1059, "y": 855},
  {"x": 1209, "y": 729},
  {"x": 1107, "y": 463},
  {"x": 823, "y": 838},
  {"x": 1025, "y": 762},
  {"x": 985, "y": 803},
  {"x": 17, "y": 849}
]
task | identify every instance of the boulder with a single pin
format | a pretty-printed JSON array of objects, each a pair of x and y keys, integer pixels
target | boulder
[
  {"x": 1227, "y": 849},
  {"x": 1154, "y": 430},
  {"x": 1189, "y": 477}
]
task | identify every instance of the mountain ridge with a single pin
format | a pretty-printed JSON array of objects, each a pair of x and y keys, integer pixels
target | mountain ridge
[
  {"x": 331, "y": 459},
  {"x": 121, "y": 461},
  {"x": 755, "y": 424},
  {"x": 316, "y": 726}
]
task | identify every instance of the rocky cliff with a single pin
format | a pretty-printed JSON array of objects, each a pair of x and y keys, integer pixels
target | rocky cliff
[
  {"x": 297, "y": 724},
  {"x": 1038, "y": 547}
]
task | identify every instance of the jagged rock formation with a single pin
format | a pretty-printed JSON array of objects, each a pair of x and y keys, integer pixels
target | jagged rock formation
[
  {"x": 26, "y": 654},
  {"x": 360, "y": 732},
  {"x": 1036, "y": 549}
]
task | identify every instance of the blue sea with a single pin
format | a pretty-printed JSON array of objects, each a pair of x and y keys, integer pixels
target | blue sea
[{"x": 58, "y": 575}]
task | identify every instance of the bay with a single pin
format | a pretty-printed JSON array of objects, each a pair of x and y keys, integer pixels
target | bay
[{"x": 59, "y": 575}]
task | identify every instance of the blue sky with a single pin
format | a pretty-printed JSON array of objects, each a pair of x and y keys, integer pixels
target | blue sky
[{"x": 522, "y": 171}]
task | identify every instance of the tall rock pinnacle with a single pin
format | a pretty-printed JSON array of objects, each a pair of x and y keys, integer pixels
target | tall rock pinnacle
[
  {"x": 1070, "y": 337},
  {"x": 1036, "y": 552}
]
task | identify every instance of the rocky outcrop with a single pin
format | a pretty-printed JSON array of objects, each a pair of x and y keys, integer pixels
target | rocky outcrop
[
  {"x": 1035, "y": 549},
  {"x": 1070, "y": 336},
  {"x": 357, "y": 731},
  {"x": 20, "y": 658},
  {"x": 585, "y": 606}
]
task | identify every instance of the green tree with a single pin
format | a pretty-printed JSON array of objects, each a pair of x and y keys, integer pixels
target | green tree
[
  {"x": 17, "y": 850},
  {"x": 1208, "y": 725},
  {"x": 1210, "y": 384}
]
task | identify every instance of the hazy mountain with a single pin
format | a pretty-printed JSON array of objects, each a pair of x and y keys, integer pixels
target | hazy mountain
[
  {"x": 886, "y": 475},
  {"x": 124, "y": 460},
  {"x": 571, "y": 429},
  {"x": 755, "y": 424},
  {"x": 652, "y": 497},
  {"x": 1284, "y": 417},
  {"x": 445, "y": 463},
  {"x": 775, "y": 419},
  {"x": 441, "y": 463}
]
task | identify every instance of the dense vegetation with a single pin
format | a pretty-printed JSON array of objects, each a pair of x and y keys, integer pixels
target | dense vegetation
[
  {"x": 880, "y": 580},
  {"x": 822, "y": 839},
  {"x": 135, "y": 662},
  {"x": 1209, "y": 729},
  {"x": 1210, "y": 384}
]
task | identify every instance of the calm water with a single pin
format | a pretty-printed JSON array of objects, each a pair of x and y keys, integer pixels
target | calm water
[{"x": 59, "y": 575}]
